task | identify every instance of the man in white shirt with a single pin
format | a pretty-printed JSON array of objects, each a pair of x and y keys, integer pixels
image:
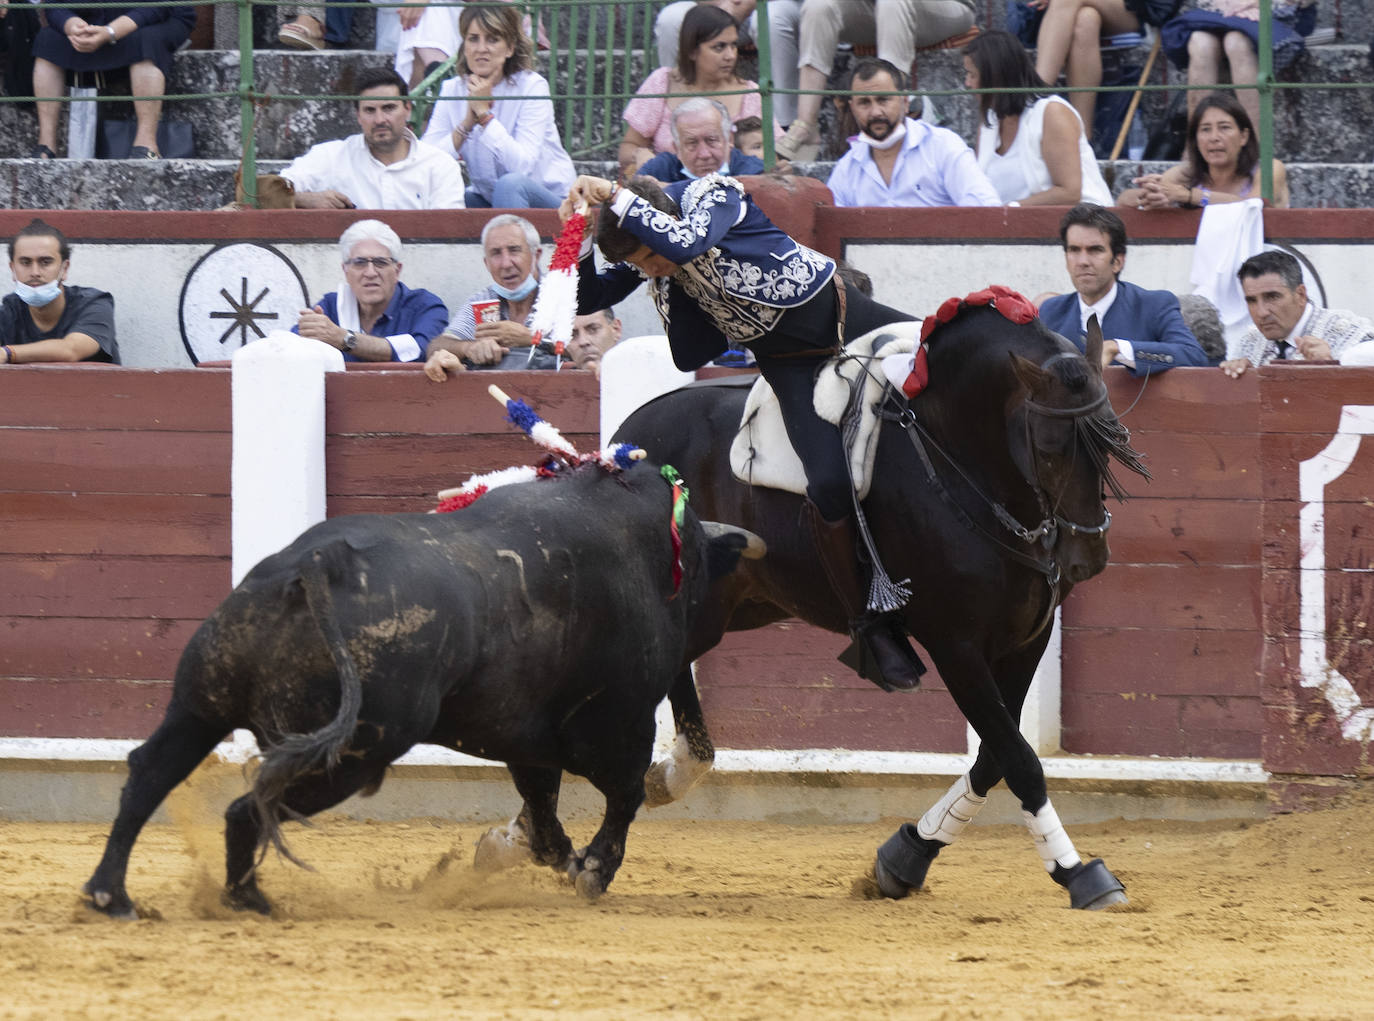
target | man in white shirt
[
  {"x": 898, "y": 161},
  {"x": 1288, "y": 325},
  {"x": 384, "y": 167}
]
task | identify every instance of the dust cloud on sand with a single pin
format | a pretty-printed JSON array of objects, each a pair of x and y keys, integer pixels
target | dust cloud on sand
[{"x": 1273, "y": 919}]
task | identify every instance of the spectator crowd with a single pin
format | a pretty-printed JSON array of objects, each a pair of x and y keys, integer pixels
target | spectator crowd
[{"x": 492, "y": 142}]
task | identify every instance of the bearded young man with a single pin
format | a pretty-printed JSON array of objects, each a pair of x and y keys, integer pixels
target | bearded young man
[{"x": 899, "y": 161}]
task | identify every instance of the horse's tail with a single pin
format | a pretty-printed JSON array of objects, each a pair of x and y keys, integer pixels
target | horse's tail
[{"x": 320, "y": 750}]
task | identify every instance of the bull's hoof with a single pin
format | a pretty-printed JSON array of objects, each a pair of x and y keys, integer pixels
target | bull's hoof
[
  {"x": 246, "y": 897},
  {"x": 114, "y": 904},
  {"x": 903, "y": 862},
  {"x": 1091, "y": 887},
  {"x": 501, "y": 847},
  {"x": 587, "y": 878}
]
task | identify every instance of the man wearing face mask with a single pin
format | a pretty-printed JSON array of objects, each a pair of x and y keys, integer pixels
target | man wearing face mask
[
  {"x": 491, "y": 329},
  {"x": 899, "y": 161},
  {"x": 46, "y": 319}
]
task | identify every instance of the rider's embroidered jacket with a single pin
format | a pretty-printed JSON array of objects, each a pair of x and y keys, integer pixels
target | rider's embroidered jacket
[{"x": 739, "y": 272}]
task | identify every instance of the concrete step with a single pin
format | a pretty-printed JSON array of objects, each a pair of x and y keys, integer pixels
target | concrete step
[
  {"x": 208, "y": 184},
  {"x": 1313, "y": 125}
]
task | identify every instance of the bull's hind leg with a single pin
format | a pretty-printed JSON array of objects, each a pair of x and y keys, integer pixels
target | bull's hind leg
[
  {"x": 693, "y": 753},
  {"x": 307, "y": 795},
  {"x": 178, "y": 745}
]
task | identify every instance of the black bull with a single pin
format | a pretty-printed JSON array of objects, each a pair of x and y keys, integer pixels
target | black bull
[
  {"x": 1017, "y": 431},
  {"x": 539, "y": 626}
]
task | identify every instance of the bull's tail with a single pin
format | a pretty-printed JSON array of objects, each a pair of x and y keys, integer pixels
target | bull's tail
[{"x": 320, "y": 750}]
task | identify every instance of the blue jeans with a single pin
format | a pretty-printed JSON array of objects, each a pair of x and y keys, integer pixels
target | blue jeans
[
  {"x": 338, "y": 25},
  {"x": 514, "y": 191}
]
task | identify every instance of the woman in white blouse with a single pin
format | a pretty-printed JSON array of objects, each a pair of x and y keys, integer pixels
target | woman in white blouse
[
  {"x": 1032, "y": 147},
  {"x": 508, "y": 140}
]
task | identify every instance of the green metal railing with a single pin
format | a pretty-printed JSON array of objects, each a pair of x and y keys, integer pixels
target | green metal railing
[{"x": 584, "y": 48}]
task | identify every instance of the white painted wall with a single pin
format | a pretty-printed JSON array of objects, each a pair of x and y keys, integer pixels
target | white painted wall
[{"x": 147, "y": 279}]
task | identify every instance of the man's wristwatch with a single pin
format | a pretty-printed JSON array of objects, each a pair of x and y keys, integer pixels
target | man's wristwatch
[
  {"x": 350, "y": 340},
  {"x": 113, "y": 38}
]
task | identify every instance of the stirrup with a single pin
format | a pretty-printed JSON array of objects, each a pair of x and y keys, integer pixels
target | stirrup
[{"x": 881, "y": 653}]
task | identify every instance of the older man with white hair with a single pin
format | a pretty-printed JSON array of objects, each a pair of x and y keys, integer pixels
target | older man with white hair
[
  {"x": 373, "y": 317},
  {"x": 702, "y": 132},
  {"x": 494, "y": 327}
]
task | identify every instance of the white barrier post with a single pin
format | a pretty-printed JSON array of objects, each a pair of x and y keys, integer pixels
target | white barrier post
[
  {"x": 277, "y": 470},
  {"x": 634, "y": 372}
]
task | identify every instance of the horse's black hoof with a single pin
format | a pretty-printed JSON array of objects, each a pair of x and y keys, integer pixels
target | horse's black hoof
[
  {"x": 903, "y": 862},
  {"x": 1091, "y": 886}
]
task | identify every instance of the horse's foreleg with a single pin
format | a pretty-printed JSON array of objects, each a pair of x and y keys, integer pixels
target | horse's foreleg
[
  {"x": 991, "y": 710},
  {"x": 903, "y": 861},
  {"x": 692, "y": 754}
]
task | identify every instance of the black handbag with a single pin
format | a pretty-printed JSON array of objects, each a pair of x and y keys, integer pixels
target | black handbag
[
  {"x": 114, "y": 139},
  {"x": 1170, "y": 137}
]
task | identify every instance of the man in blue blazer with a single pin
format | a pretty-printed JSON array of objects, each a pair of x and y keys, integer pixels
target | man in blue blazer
[{"x": 1145, "y": 329}]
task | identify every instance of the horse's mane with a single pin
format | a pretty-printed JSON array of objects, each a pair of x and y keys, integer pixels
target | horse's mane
[{"x": 1100, "y": 432}]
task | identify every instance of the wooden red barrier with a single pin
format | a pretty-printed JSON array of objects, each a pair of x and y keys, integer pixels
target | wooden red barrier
[
  {"x": 1318, "y": 591},
  {"x": 114, "y": 545}
]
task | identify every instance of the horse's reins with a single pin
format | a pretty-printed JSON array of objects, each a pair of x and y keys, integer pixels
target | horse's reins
[{"x": 1047, "y": 531}]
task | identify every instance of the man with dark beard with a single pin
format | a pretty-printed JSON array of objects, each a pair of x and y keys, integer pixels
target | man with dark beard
[{"x": 899, "y": 161}]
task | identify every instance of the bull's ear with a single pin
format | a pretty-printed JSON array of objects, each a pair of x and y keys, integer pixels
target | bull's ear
[
  {"x": 1032, "y": 376},
  {"x": 1093, "y": 342}
]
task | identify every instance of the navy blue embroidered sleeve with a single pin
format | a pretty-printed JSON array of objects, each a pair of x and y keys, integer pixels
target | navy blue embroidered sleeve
[
  {"x": 596, "y": 291},
  {"x": 711, "y": 206}
]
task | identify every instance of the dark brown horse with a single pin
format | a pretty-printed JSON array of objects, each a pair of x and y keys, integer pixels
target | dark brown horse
[{"x": 988, "y": 493}]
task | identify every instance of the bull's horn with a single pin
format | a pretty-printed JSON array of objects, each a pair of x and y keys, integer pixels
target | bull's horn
[{"x": 754, "y": 546}]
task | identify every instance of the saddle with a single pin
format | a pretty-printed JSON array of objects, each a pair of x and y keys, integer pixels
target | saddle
[{"x": 762, "y": 454}]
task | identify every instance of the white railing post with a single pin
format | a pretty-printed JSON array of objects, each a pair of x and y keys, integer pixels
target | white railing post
[{"x": 277, "y": 471}]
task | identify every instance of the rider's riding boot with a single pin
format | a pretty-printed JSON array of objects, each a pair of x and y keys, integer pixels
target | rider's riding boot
[{"x": 880, "y": 651}]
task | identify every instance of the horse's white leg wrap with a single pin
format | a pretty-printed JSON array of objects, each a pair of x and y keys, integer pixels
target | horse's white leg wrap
[
  {"x": 1054, "y": 845},
  {"x": 946, "y": 819}
]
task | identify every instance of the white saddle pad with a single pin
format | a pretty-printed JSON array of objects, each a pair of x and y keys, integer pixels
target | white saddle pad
[{"x": 762, "y": 454}]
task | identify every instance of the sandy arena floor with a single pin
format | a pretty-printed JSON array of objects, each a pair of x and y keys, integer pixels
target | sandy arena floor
[{"x": 705, "y": 920}]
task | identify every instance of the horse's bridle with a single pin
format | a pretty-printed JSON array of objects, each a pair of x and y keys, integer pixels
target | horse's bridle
[
  {"x": 1046, "y": 533},
  {"x": 1046, "y": 411}
]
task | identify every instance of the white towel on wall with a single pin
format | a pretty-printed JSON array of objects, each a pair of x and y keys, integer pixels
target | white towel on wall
[{"x": 1229, "y": 233}]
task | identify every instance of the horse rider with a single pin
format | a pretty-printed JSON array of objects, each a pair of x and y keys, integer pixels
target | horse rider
[{"x": 722, "y": 274}]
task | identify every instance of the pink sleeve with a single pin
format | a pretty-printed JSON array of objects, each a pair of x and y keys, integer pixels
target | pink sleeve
[
  {"x": 751, "y": 105},
  {"x": 647, "y": 116}
]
